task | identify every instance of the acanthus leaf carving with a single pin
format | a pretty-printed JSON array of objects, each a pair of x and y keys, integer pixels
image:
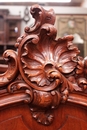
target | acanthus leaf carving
[
  {"x": 17, "y": 85},
  {"x": 81, "y": 72},
  {"x": 41, "y": 16}
]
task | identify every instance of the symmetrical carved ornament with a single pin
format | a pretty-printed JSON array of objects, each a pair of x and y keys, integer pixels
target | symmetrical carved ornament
[{"x": 45, "y": 68}]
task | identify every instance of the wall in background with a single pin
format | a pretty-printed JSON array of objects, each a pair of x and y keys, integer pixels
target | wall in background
[
  {"x": 19, "y": 10},
  {"x": 59, "y": 11}
]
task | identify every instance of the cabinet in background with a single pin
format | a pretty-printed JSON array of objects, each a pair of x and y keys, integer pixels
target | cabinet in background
[
  {"x": 3, "y": 15},
  {"x": 10, "y": 27},
  {"x": 13, "y": 29}
]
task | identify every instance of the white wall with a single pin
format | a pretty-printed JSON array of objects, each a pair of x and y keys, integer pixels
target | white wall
[{"x": 84, "y": 4}]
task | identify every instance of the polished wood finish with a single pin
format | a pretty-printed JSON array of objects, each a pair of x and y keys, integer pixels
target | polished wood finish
[{"x": 45, "y": 83}]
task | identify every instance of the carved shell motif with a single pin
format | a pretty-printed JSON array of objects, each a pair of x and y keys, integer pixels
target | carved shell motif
[
  {"x": 47, "y": 64},
  {"x": 43, "y": 60}
]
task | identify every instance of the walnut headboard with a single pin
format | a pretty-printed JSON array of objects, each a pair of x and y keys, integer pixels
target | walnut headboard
[{"x": 45, "y": 84}]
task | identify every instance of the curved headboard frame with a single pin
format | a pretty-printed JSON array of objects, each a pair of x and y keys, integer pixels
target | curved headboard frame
[{"x": 45, "y": 71}]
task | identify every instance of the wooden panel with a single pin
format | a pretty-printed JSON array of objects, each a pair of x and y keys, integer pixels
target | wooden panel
[
  {"x": 66, "y": 117},
  {"x": 14, "y": 123}
]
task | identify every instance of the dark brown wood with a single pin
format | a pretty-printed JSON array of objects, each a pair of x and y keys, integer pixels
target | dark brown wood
[{"x": 45, "y": 83}]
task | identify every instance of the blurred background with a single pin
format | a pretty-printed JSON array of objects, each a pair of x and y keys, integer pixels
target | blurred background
[{"x": 71, "y": 18}]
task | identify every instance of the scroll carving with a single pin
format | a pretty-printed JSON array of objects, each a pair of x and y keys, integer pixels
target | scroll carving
[
  {"x": 46, "y": 68},
  {"x": 12, "y": 70}
]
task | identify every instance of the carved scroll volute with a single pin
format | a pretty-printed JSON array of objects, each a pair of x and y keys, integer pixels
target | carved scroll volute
[
  {"x": 11, "y": 57},
  {"x": 41, "y": 16}
]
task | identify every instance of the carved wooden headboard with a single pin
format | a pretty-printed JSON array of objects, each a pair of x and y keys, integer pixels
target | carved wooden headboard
[{"x": 45, "y": 84}]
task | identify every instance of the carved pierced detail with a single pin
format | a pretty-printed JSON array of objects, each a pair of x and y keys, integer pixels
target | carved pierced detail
[{"x": 49, "y": 68}]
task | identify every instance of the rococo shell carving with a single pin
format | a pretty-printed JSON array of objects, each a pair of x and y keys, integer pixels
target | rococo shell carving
[{"x": 49, "y": 68}]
